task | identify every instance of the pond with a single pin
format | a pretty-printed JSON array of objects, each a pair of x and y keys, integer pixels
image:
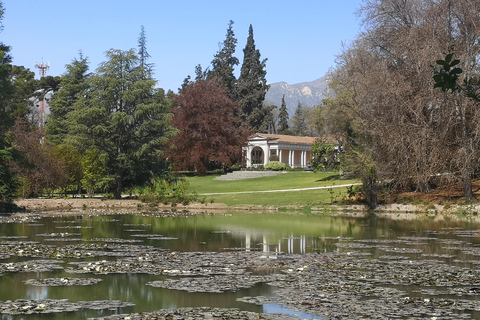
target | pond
[{"x": 121, "y": 264}]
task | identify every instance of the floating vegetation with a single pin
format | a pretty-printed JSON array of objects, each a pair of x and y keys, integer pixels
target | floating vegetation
[
  {"x": 214, "y": 284},
  {"x": 23, "y": 306},
  {"x": 58, "y": 234},
  {"x": 31, "y": 266},
  {"x": 199, "y": 314},
  {"x": 61, "y": 282}
]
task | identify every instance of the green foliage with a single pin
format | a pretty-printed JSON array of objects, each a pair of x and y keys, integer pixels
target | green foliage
[
  {"x": 165, "y": 191},
  {"x": 252, "y": 85},
  {"x": 8, "y": 182},
  {"x": 299, "y": 124},
  {"x": 277, "y": 166},
  {"x": 326, "y": 156},
  {"x": 125, "y": 117},
  {"x": 72, "y": 86},
  {"x": 94, "y": 171},
  {"x": 446, "y": 77},
  {"x": 224, "y": 62},
  {"x": 283, "y": 119}
]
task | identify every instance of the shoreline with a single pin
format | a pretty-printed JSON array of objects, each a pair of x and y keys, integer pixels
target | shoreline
[{"x": 89, "y": 206}]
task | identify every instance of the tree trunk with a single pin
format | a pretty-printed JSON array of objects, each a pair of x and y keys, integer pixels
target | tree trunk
[
  {"x": 370, "y": 190},
  {"x": 467, "y": 187},
  {"x": 118, "y": 186}
]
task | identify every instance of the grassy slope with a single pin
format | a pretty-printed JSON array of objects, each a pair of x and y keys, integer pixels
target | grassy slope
[{"x": 290, "y": 180}]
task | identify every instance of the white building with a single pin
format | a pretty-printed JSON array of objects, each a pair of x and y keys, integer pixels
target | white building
[{"x": 291, "y": 150}]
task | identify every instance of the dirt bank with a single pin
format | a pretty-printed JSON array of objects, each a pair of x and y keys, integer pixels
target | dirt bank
[{"x": 100, "y": 206}]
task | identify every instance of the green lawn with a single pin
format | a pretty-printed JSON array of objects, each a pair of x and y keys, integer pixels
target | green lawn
[{"x": 290, "y": 180}]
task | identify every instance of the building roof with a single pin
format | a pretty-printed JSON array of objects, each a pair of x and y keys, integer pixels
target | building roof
[{"x": 283, "y": 138}]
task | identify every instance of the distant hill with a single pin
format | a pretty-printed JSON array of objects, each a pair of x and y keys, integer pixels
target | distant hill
[{"x": 308, "y": 93}]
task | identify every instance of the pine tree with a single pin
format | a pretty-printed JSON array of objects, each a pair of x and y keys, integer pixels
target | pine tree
[
  {"x": 73, "y": 84},
  {"x": 224, "y": 62},
  {"x": 126, "y": 118},
  {"x": 252, "y": 85},
  {"x": 299, "y": 125},
  {"x": 143, "y": 53},
  {"x": 283, "y": 118}
]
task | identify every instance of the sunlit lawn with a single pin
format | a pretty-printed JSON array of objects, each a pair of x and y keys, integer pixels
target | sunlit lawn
[{"x": 290, "y": 180}]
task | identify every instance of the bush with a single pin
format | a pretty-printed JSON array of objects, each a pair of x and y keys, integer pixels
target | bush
[
  {"x": 273, "y": 157},
  {"x": 277, "y": 166}
]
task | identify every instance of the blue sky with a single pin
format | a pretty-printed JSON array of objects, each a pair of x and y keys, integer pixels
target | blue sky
[{"x": 300, "y": 38}]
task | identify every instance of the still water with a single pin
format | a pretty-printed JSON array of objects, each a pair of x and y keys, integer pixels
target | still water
[{"x": 288, "y": 234}]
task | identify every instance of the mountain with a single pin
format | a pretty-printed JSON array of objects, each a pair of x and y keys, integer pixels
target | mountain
[{"x": 308, "y": 93}]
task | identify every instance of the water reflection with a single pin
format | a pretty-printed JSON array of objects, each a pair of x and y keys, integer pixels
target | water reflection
[{"x": 452, "y": 242}]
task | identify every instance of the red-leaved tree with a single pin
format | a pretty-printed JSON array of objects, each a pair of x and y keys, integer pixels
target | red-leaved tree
[{"x": 210, "y": 134}]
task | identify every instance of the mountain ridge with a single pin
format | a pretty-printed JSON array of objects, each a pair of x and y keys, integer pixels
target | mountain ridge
[{"x": 309, "y": 93}]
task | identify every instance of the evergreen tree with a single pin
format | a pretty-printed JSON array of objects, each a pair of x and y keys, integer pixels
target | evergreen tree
[
  {"x": 143, "y": 53},
  {"x": 73, "y": 85},
  {"x": 299, "y": 124},
  {"x": 283, "y": 118},
  {"x": 25, "y": 86},
  {"x": 126, "y": 118},
  {"x": 252, "y": 85},
  {"x": 8, "y": 183},
  {"x": 224, "y": 62}
]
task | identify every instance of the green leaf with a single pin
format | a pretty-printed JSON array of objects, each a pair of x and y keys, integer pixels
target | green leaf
[
  {"x": 454, "y": 63},
  {"x": 456, "y": 71},
  {"x": 441, "y": 62}
]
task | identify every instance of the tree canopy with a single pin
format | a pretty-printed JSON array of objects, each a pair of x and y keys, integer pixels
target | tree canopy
[
  {"x": 396, "y": 127},
  {"x": 252, "y": 85},
  {"x": 210, "y": 136},
  {"x": 125, "y": 118}
]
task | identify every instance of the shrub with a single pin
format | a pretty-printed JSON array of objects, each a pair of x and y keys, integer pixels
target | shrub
[
  {"x": 276, "y": 166},
  {"x": 273, "y": 157}
]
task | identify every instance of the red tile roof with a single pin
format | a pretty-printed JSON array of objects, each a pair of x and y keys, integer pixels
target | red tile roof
[{"x": 285, "y": 138}]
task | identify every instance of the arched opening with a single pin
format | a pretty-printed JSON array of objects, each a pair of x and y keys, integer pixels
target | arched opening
[{"x": 257, "y": 156}]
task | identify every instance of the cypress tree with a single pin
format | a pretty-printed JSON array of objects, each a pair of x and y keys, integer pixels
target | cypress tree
[
  {"x": 252, "y": 84},
  {"x": 224, "y": 62},
  {"x": 283, "y": 118},
  {"x": 299, "y": 124}
]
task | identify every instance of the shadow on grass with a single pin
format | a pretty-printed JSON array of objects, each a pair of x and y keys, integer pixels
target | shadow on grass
[{"x": 332, "y": 177}]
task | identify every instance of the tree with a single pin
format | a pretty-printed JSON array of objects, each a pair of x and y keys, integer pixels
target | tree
[
  {"x": 8, "y": 183},
  {"x": 25, "y": 86},
  {"x": 252, "y": 84},
  {"x": 397, "y": 127},
  {"x": 143, "y": 53},
  {"x": 72, "y": 86},
  {"x": 126, "y": 118},
  {"x": 40, "y": 171},
  {"x": 224, "y": 62},
  {"x": 283, "y": 118},
  {"x": 210, "y": 136},
  {"x": 299, "y": 124}
]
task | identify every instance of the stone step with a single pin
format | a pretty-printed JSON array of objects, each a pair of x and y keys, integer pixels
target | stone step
[{"x": 240, "y": 175}]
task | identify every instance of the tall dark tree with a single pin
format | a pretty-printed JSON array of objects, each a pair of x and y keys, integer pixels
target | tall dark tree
[
  {"x": 210, "y": 136},
  {"x": 143, "y": 53},
  {"x": 283, "y": 118},
  {"x": 126, "y": 118},
  {"x": 299, "y": 124},
  {"x": 8, "y": 183},
  {"x": 72, "y": 87},
  {"x": 252, "y": 84},
  {"x": 224, "y": 62},
  {"x": 25, "y": 86}
]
